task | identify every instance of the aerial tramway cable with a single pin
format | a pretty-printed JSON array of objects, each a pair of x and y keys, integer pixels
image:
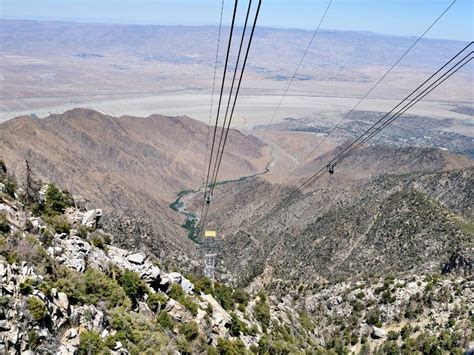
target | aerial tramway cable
[
  {"x": 236, "y": 93},
  {"x": 219, "y": 150},
  {"x": 372, "y": 88},
  {"x": 212, "y": 95},
  {"x": 368, "y": 134},
  {"x": 219, "y": 105}
]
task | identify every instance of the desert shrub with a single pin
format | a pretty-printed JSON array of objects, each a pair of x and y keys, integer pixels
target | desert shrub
[
  {"x": 91, "y": 344},
  {"x": 201, "y": 284},
  {"x": 156, "y": 300},
  {"x": 133, "y": 285},
  {"x": 184, "y": 346},
  {"x": 223, "y": 295},
  {"x": 26, "y": 287},
  {"x": 406, "y": 332},
  {"x": 82, "y": 232},
  {"x": 236, "y": 325},
  {"x": 165, "y": 321},
  {"x": 4, "y": 225},
  {"x": 98, "y": 241},
  {"x": 241, "y": 297},
  {"x": 262, "y": 311},
  {"x": 176, "y": 291},
  {"x": 56, "y": 201},
  {"x": 392, "y": 335},
  {"x": 306, "y": 321},
  {"x": 37, "y": 308},
  {"x": 188, "y": 302},
  {"x": 373, "y": 317},
  {"x": 59, "y": 223},
  {"x": 10, "y": 186},
  {"x": 229, "y": 347},
  {"x": 91, "y": 287},
  {"x": 190, "y": 330},
  {"x": 32, "y": 339}
]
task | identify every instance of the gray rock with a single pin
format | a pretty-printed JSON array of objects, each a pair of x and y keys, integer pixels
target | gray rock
[
  {"x": 91, "y": 218},
  {"x": 137, "y": 258},
  {"x": 4, "y": 325},
  {"x": 63, "y": 301},
  {"x": 378, "y": 333}
]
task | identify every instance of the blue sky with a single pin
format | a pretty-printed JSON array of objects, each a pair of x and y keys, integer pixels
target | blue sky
[{"x": 399, "y": 17}]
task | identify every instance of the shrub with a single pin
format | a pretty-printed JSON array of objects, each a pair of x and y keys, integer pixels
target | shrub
[
  {"x": 3, "y": 167},
  {"x": 241, "y": 297},
  {"x": 201, "y": 284},
  {"x": 26, "y": 287},
  {"x": 82, "y": 232},
  {"x": 91, "y": 287},
  {"x": 10, "y": 186},
  {"x": 229, "y": 347},
  {"x": 373, "y": 317},
  {"x": 190, "y": 330},
  {"x": 33, "y": 339},
  {"x": 165, "y": 321},
  {"x": 56, "y": 201},
  {"x": 37, "y": 308},
  {"x": 236, "y": 326},
  {"x": 189, "y": 304},
  {"x": 59, "y": 223},
  {"x": 4, "y": 225},
  {"x": 392, "y": 335},
  {"x": 262, "y": 311},
  {"x": 91, "y": 343},
  {"x": 156, "y": 300},
  {"x": 133, "y": 285},
  {"x": 223, "y": 295},
  {"x": 406, "y": 332},
  {"x": 176, "y": 291}
]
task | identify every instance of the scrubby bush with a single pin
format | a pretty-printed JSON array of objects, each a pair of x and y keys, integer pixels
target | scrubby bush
[
  {"x": 100, "y": 240},
  {"x": 223, "y": 295},
  {"x": 26, "y": 287},
  {"x": 229, "y": 347},
  {"x": 165, "y": 321},
  {"x": 190, "y": 330},
  {"x": 262, "y": 311},
  {"x": 33, "y": 339},
  {"x": 156, "y": 300},
  {"x": 10, "y": 186},
  {"x": 373, "y": 317},
  {"x": 176, "y": 291},
  {"x": 188, "y": 302},
  {"x": 4, "y": 225},
  {"x": 59, "y": 223},
  {"x": 37, "y": 308},
  {"x": 56, "y": 201},
  {"x": 91, "y": 287},
  {"x": 91, "y": 344},
  {"x": 133, "y": 285}
]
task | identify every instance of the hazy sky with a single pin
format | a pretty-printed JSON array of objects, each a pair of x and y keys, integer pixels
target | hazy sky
[{"x": 401, "y": 17}]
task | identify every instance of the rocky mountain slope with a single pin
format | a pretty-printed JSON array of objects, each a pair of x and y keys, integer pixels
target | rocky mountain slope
[
  {"x": 132, "y": 167},
  {"x": 353, "y": 224},
  {"x": 66, "y": 290}
]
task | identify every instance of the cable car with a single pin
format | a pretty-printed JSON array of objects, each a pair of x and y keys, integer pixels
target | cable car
[
  {"x": 330, "y": 169},
  {"x": 208, "y": 199}
]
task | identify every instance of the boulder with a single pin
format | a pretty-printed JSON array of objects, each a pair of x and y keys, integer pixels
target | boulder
[
  {"x": 63, "y": 302},
  {"x": 378, "y": 333},
  {"x": 137, "y": 258},
  {"x": 91, "y": 218}
]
